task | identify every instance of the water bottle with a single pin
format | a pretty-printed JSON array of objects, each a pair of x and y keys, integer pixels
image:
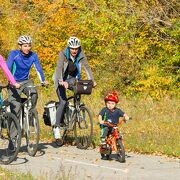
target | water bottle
[{"x": 1, "y": 100}]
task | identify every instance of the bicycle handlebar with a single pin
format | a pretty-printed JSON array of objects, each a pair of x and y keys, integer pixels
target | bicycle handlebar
[{"x": 6, "y": 86}]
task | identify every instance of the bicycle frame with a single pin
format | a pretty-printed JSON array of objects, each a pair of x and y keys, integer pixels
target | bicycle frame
[
  {"x": 113, "y": 137},
  {"x": 77, "y": 105},
  {"x": 26, "y": 106}
]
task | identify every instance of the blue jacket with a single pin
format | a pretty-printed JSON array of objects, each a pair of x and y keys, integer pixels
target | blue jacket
[{"x": 20, "y": 65}]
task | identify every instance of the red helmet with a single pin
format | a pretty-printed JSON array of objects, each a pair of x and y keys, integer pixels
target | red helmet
[{"x": 112, "y": 97}]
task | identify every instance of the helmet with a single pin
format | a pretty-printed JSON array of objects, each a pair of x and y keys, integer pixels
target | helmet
[
  {"x": 112, "y": 97},
  {"x": 24, "y": 40},
  {"x": 74, "y": 42}
]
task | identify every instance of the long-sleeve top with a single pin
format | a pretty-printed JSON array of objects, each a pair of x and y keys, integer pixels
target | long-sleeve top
[
  {"x": 20, "y": 65},
  {"x": 6, "y": 71}
]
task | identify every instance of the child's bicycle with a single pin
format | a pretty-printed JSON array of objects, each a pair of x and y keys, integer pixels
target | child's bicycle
[
  {"x": 10, "y": 132},
  {"x": 114, "y": 143}
]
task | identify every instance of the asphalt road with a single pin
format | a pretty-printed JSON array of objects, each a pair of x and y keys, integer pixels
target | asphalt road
[{"x": 68, "y": 162}]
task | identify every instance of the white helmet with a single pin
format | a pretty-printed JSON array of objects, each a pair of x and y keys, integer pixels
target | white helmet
[
  {"x": 74, "y": 42},
  {"x": 24, "y": 40}
]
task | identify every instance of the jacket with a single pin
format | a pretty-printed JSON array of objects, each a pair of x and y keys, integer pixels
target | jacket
[
  {"x": 62, "y": 64},
  {"x": 20, "y": 65}
]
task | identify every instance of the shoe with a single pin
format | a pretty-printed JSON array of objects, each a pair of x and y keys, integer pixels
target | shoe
[
  {"x": 59, "y": 142},
  {"x": 56, "y": 133}
]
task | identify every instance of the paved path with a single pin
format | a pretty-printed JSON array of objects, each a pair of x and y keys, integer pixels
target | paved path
[{"x": 68, "y": 161}]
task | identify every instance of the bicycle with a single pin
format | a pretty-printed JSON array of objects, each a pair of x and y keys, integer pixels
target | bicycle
[
  {"x": 77, "y": 118},
  {"x": 10, "y": 132},
  {"x": 29, "y": 122},
  {"x": 114, "y": 142}
]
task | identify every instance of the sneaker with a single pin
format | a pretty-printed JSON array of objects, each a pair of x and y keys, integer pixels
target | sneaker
[
  {"x": 56, "y": 133},
  {"x": 103, "y": 141}
]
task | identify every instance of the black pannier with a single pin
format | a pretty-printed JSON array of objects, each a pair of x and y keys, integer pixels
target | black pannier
[
  {"x": 49, "y": 114},
  {"x": 83, "y": 87}
]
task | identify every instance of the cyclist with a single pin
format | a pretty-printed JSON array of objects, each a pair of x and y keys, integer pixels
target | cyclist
[
  {"x": 19, "y": 63},
  {"x": 68, "y": 68},
  {"x": 7, "y": 73},
  {"x": 111, "y": 114}
]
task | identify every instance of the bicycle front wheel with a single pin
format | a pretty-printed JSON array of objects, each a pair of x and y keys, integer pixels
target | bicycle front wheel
[
  {"x": 32, "y": 133},
  {"x": 83, "y": 128},
  {"x": 120, "y": 151},
  {"x": 10, "y": 138}
]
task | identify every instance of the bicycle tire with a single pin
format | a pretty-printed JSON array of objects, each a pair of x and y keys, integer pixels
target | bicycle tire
[
  {"x": 120, "y": 151},
  {"x": 32, "y": 133},
  {"x": 83, "y": 130},
  {"x": 10, "y": 138}
]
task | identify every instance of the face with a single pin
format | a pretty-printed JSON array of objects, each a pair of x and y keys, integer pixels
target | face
[
  {"x": 110, "y": 104},
  {"x": 73, "y": 51},
  {"x": 25, "y": 48}
]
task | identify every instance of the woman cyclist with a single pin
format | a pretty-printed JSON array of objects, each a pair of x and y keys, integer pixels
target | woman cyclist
[{"x": 19, "y": 63}]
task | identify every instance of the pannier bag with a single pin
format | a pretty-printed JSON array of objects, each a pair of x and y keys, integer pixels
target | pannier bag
[
  {"x": 83, "y": 87},
  {"x": 49, "y": 114}
]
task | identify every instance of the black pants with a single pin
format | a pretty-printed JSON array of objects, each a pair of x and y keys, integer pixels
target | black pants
[
  {"x": 61, "y": 93},
  {"x": 106, "y": 131}
]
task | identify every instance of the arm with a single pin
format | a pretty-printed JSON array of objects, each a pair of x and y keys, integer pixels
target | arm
[
  {"x": 59, "y": 68},
  {"x": 100, "y": 119},
  {"x": 6, "y": 71},
  {"x": 88, "y": 70},
  {"x": 39, "y": 69},
  {"x": 58, "y": 75}
]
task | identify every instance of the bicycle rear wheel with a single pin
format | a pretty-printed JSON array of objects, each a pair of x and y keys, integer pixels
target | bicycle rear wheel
[
  {"x": 83, "y": 128},
  {"x": 10, "y": 138},
  {"x": 32, "y": 133}
]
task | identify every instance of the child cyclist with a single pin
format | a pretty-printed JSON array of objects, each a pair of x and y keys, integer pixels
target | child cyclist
[{"x": 110, "y": 114}]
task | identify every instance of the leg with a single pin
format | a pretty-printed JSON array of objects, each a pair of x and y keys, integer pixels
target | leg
[
  {"x": 105, "y": 131},
  {"x": 15, "y": 101},
  {"x": 61, "y": 92}
]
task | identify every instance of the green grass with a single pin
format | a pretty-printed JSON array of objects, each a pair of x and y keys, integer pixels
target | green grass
[
  {"x": 6, "y": 174},
  {"x": 155, "y": 127}
]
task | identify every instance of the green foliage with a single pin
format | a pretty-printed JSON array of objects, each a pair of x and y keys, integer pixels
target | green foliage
[{"x": 134, "y": 44}]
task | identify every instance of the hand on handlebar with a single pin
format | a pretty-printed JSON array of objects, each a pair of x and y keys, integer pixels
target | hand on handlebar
[
  {"x": 17, "y": 85},
  {"x": 45, "y": 83},
  {"x": 94, "y": 84},
  {"x": 64, "y": 83}
]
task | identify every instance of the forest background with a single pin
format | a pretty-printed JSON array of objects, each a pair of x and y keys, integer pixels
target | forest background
[{"x": 132, "y": 47}]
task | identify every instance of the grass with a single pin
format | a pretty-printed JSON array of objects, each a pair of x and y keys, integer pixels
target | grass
[
  {"x": 155, "y": 127},
  {"x": 6, "y": 174}
]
